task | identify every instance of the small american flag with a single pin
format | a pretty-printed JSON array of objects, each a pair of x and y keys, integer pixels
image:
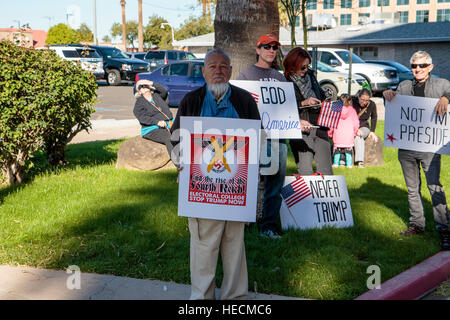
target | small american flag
[
  {"x": 295, "y": 192},
  {"x": 330, "y": 113},
  {"x": 255, "y": 96}
]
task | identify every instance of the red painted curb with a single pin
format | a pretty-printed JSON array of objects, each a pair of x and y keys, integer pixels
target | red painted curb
[{"x": 414, "y": 282}]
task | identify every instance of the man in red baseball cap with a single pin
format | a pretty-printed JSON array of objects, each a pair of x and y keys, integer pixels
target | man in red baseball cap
[{"x": 272, "y": 174}]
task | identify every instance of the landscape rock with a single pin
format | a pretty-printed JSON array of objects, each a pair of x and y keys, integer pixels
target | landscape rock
[
  {"x": 143, "y": 155},
  {"x": 373, "y": 152}
]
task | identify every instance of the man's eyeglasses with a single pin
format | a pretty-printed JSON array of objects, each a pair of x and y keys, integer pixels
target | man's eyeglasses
[
  {"x": 421, "y": 65},
  {"x": 268, "y": 46}
]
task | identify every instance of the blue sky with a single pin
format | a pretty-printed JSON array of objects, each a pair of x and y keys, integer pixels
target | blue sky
[{"x": 40, "y": 14}]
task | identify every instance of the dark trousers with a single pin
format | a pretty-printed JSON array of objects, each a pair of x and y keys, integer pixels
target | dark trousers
[
  {"x": 162, "y": 136},
  {"x": 411, "y": 161},
  {"x": 312, "y": 148}
]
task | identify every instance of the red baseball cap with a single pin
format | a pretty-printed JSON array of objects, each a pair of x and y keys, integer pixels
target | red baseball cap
[{"x": 266, "y": 39}]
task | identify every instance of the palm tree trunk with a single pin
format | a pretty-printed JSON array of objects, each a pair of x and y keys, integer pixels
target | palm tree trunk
[
  {"x": 140, "y": 31},
  {"x": 124, "y": 25},
  {"x": 238, "y": 25}
]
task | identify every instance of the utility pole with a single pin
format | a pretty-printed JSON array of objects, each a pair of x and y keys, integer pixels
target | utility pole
[
  {"x": 95, "y": 23},
  {"x": 140, "y": 31},
  {"x": 124, "y": 26}
]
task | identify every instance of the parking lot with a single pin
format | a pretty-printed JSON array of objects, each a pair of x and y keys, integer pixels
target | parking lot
[{"x": 118, "y": 102}]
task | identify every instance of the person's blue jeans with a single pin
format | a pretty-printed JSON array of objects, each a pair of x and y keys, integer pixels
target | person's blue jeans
[{"x": 272, "y": 187}]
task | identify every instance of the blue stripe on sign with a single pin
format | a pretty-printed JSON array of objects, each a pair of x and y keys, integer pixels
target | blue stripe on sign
[{"x": 287, "y": 191}]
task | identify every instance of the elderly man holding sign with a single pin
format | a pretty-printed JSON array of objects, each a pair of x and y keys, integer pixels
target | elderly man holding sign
[
  {"x": 424, "y": 85},
  {"x": 216, "y": 99}
]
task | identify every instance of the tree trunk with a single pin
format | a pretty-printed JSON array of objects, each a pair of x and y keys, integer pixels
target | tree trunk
[
  {"x": 124, "y": 25},
  {"x": 305, "y": 27},
  {"x": 14, "y": 172},
  {"x": 293, "y": 40},
  {"x": 238, "y": 25},
  {"x": 140, "y": 31},
  {"x": 55, "y": 148}
]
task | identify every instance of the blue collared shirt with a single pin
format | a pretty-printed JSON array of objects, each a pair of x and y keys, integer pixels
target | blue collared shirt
[{"x": 223, "y": 108}]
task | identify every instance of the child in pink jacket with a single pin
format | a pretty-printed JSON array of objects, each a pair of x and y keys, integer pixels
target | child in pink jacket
[{"x": 344, "y": 136}]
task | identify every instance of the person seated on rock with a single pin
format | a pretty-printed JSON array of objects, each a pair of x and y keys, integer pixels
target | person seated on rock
[
  {"x": 365, "y": 108},
  {"x": 153, "y": 113}
]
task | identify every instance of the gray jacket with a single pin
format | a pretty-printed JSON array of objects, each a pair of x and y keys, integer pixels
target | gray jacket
[{"x": 434, "y": 88}]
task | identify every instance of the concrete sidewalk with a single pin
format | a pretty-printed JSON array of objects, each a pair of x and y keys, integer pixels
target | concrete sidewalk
[{"x": 21, "y": 283}]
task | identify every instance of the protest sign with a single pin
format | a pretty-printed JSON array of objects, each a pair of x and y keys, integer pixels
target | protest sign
[
  {"x": 412, "y": 125},
  {"x": 219, "y": 179},
  {"x": 277, "y": 106},
  {"x": 315, "y": 202}
]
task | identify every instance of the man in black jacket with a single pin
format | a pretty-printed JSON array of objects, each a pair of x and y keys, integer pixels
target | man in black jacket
[{"x": 217, "y": 99}]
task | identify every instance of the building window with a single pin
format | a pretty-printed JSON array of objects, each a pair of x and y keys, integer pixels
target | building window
[
  {"x": 366, "y": 52},
  {"x": 404, "y": 15},
  {"x": 311, "y": 5},
  {"x": 328, "y": 4},
  {"x": 443, "y": 15},
  {"x": 364, "y": 3},
  {"x": 402, "y": 2},
  {"x": 346, "y": 19},
  {"x": 443, "y": 1},
  {"x": 346, "y": 3},
  {"x": 422, "y": 16},
  {"x": 363, "y": 18},
  {"x": 383, "y": 3},
  {"x": 423, "y": 1}
]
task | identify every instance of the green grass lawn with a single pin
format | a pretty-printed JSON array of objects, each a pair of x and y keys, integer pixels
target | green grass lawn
[{"x": 114, "y": 221}]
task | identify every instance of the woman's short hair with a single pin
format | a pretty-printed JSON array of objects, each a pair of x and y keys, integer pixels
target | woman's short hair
[
  {"x": 293, "y": 60},
  {"x": 419, "y": 55},
  {"x": 364, "y": 92}
]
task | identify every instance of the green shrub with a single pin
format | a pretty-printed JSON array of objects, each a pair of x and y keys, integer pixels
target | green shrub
[{"x": 44, "y": 101}]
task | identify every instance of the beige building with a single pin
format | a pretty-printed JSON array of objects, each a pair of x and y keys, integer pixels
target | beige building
[{"x": 357, "y": 12}]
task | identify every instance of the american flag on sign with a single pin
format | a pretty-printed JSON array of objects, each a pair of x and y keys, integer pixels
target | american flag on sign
[
  {"x": 330, "y": 113},
  {"x": 255, "y": 96},
  {"x": 295, "y": 192}
]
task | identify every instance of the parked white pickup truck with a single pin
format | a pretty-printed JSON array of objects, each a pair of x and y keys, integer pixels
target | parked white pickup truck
[{"x": 379, "y": 77}]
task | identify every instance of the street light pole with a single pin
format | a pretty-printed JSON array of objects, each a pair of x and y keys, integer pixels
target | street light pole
[
  {"x": 95, "y": 22},
  {"x": 173, "y": 37}
]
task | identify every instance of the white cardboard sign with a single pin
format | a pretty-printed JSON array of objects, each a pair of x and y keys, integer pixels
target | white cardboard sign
[
  {"x": 327, "y": 205},
  {"x": 412, "y": 125},
  {"x": 220, "y": 164},
  {"x": 277, "y": 107}
]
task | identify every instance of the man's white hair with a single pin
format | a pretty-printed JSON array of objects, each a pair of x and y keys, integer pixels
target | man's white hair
[{"x": 419, "y": 55}]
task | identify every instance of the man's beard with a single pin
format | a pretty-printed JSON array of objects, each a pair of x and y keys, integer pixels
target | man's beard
[{"x": 218, "y": 89}]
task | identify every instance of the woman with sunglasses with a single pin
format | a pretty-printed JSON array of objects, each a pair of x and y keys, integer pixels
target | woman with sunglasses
[
  {"x": 315, "y": 144},
  {"x": 423, "y": 85},
  {"x": 153, "y": 113}
]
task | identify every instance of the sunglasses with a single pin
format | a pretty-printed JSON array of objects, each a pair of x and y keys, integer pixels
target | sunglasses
[
  {"x": 142, "y": 86},
  {"x": 268, "y": 46},
  {"x": 421, "y": 65},
  {"x": 303, "y": 68}
]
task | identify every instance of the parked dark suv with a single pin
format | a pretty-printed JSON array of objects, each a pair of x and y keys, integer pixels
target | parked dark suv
[
  {"x": 118, "y": 66},
  {"x": 157, "y": 58}
]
